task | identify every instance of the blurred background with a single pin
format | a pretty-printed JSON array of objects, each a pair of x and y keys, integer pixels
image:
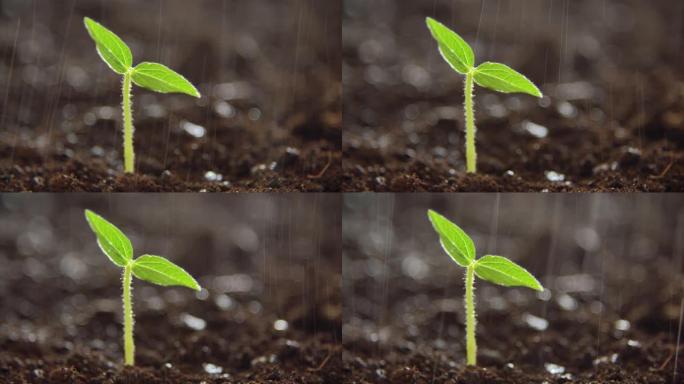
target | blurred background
[
  {"x": 611, "y": 72},
  {"x": 268, "y": 73},
  {"x": 269, "y": 266},
  {"x": 612, "y": 266}
]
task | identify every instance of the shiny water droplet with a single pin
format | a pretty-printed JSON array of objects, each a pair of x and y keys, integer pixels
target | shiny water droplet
[
  {"x": 213, "y": 176},
  {"x": 212, "y": 369},
  {"x": 193, "y": 322},
  {"x": 622, "y": 325},
  {"x": 280, "y": 325},
  {"x": 535, "y": 322},
  {"x": 567, "y": 302},
  {"x": 554, "y": 176},
  {"x": 554, "y": 369},
  {"x": 192, "y": 129},
  {"x": 534, "y": 129},
  {"x": 224, "y": 302}
]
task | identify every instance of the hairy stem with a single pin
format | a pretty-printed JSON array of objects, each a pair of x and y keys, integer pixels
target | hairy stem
[
  {"x": 471, "y": 155},
  {"x": 471, "y": 344},
  {"x": 129, "y": 155},
  {"x": 129, "y": 346}
]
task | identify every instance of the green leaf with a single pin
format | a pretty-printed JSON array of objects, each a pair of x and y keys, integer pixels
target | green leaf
[
  {"x": 161, "y": 271},
  {"x": 111, "y": 240},
  {"x": 453, "y": 48},
  {"x": 455, "y": 242},
  {"x": 500, "y": 270},
  {"x": 111, "y": 48},
  {"x": 162, "y": 79},
  {"x": 502, "y": 78}
]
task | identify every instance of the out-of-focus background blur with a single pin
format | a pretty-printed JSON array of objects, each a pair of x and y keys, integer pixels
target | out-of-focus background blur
[
  {"x": 609, "y": 263},
  {"x": 611, "y": 72},
  {"x": 268, "y": 72},
  {"x": 269, "y": 266}
]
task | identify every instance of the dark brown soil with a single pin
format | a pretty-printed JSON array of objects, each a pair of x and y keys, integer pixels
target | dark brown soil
[
  {"x": 612, "y": 117},
  {"x": 608, "y": 315},
  {"x": 60, "y": 307},
  {"x": 269, "y": 118}
]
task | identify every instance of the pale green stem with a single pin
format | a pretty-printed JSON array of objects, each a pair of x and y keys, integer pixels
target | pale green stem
[
  {"x": 471, "y": 155},
  {"x": 471, "y": 344},
  {"x": 129, "y": 346},
  {"x": 129, "y": 155}
]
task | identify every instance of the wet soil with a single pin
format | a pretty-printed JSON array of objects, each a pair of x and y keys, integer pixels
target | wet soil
[
  {"x": 269, "y": 118},
  {"x": 611, "y": 119},
  {"x": 605, "y": 317},
  {"x": 265, "y": 316}
]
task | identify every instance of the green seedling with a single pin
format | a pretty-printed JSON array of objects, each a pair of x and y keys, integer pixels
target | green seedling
[
  {"x": 498, "y": 77},
  {"x": 153, "y": 76},
  {"x": 154, "y": 269},
  {"x": 496, "y": 269}
]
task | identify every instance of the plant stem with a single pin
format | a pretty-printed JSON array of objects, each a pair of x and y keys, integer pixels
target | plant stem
[
  {"x": 129, "y": 156},
  {"x": 129, "y": 346},
  {"x": 471, "y": 344},
  {"x": 471, "y": 155}
]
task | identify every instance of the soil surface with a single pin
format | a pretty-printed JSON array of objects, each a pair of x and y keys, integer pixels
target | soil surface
[
  {"x": 270, "y": 311},
  {"x": 269, "y": 118},
  {"x": 611, "y": 118},
  {"x": 610, "y": 312}
]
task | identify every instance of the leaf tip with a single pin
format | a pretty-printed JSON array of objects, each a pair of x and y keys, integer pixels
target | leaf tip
[
  {"x": 89, "y": 214},
  {"x": 432, "y": 215}
]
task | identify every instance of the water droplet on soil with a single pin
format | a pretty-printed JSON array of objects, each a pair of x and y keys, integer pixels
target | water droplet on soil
[
  {"x": 212, "y": 369},
  {"x": 280, "y": 325},
  {"x": 224, "y": 109},
  {"x": 535, "y": 322},
  {"x": 193, "y": 129},
  {"x": 224, "y": 302},
  {"x": 567, "y": 110},
  {"x": 554, "y": 176},
  {"x": 193, "y": 322},
  {"x": 213, "y": 176},
  {"x": 567, "y": 302},
  {"x": 606, "y": 359},
  {"x": 554, "y": 369},
  {"x": 534, "y": 129},
  {"x": 622, "y": 325}
]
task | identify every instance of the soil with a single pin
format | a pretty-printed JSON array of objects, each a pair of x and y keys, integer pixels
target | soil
[
  {"x": 611, "y": 119},
  {"x": 60, "y": 312},
  {"x": 606, "y": 316},
  {"x": 269, "y": 118}
]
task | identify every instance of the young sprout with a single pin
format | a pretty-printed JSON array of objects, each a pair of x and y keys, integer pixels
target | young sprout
[
  {"x": 496, "y": 269},
  {"x": 154, "y": 269},
  {"x": 495, "y": 76},
  {"x": 153, "y": 76}
]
